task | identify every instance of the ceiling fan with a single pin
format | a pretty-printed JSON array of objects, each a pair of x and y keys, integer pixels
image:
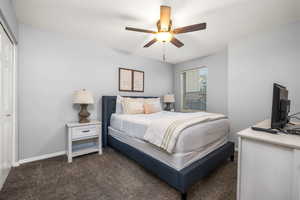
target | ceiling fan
[{"x": 165, "y": 31}]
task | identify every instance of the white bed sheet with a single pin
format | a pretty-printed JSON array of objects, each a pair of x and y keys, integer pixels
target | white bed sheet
[
  {"x": 191, "y": 139},
  {"x": 177, "y": 161}
]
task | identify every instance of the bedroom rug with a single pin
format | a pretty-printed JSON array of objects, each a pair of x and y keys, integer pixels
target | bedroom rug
[{"x": 110, "y": 176}]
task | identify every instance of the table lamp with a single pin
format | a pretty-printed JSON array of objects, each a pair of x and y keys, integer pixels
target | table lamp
[
  {"x": 168, "y": 100},
  {"x": 83, "y": 97}
]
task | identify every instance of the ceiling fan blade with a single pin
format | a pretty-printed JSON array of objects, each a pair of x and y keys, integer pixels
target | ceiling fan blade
[
  {"x": 176, "y": 42},
  {"x": 139, "y": 30},
  {"x": 165, "y": 17},
  {"x": 191, "y": 28},
  {"x": 150, "y": 43}
]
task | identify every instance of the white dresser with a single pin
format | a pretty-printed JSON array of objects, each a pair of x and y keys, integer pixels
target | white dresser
[{"x": 268, "y": 165}]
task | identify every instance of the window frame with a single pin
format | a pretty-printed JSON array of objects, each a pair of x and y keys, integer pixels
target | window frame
[{"x": 182, "y": 109}]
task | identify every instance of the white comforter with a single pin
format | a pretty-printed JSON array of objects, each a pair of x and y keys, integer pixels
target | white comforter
[
  {"x": 193, "y": 139},
  {"x": 137, "y": 124}
]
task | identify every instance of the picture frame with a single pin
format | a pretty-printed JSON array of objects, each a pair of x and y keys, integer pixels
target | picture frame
[
  {"x": 131, "y": 80},
  {"x": 138, "y": 81},
  {"x": 125, "y": 80}
]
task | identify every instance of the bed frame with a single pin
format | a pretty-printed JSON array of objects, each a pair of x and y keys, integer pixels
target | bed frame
[{"x": 180, "y": 180}]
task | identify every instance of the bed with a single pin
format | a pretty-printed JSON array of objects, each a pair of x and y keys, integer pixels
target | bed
[{"x": 190, "y": 161}]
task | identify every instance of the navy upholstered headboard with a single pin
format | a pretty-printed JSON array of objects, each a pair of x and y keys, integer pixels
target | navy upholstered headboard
[{"x": 108, "y": 108}]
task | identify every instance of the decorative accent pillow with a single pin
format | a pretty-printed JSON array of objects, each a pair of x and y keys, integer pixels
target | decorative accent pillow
[
  {"x": 150, "y": 108},
  {"x": 133, "y": 106},
  {"x": 152, "y": 100},
  {"x": 155, "y": 101}
]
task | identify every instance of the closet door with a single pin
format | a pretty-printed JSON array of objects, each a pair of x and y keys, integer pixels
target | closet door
[{"x": 6, "y": 104}]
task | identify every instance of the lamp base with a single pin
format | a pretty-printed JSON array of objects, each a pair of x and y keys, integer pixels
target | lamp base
[
  {"x": 84, "y": 114},
  {"x": 168, "y": 107}
]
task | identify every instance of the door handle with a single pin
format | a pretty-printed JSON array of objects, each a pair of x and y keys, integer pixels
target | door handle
[{"x": 8, "y": 115}]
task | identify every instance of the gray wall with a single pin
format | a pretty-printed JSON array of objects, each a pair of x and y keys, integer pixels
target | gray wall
[
  {"x": 52, "y": 67},
  {"x": 255, "y": 63},
  {"x": 217, "y": 80},
  {"x": 9, "y": 13},
  {"x": 240, "y": 79}
]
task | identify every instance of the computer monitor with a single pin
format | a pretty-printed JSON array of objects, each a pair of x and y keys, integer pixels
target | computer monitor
[{"x": 280, "y": 107}]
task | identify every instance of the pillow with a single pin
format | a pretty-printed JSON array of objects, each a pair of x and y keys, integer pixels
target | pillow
[
  {"x": 133, "y": 106},
  {"x": 155, "y": 101},
  {"x": 152, "y": 100},
  {"x": 150, "y": 108},
  {"x": 132, "y": 99},
  {"x": 119, "y": 107}
]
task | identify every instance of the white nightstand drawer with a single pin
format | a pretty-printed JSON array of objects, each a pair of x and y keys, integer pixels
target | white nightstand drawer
[{"x": 83, "y": 132}]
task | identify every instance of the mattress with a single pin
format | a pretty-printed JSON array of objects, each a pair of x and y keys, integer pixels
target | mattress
[
  {"x": 192, "y": 139},
  {"x": 177, "y": 160}
]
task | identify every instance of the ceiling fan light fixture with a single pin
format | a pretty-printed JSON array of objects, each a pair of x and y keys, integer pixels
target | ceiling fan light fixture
[
  {"x": 164, "y": 36},
  {"x": 165, "y": 32}
]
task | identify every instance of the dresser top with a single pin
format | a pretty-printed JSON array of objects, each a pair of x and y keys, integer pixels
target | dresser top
[
  {"x": 282, "y": 139},
  {"x": 77, "y": 124}
]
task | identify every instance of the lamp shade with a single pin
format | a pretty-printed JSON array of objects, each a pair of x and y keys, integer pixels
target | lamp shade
[
  {"x": 83, "y": 97},
  {"x": 169, "y": 98}
]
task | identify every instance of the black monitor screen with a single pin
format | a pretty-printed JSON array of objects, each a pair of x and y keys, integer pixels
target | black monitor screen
[{"x": 280, "y": 107}]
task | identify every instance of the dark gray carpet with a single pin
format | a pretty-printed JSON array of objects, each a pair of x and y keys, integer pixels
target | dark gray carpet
[{"x": 108, "y": 177}]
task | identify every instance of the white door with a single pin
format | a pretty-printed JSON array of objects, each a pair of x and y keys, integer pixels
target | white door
[{"x": 6, "y": 104}]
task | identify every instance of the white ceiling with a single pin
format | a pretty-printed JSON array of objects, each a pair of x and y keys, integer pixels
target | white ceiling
[{"x": 104, "y": 22}]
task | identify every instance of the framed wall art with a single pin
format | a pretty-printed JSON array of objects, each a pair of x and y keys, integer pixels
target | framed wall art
[
  {"x": 131, "y": 80},
  {"x": 125, "y": 80},
  {"x": 138, "y": 81}
]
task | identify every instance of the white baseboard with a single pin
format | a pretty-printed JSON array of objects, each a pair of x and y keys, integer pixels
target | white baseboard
[
  {"x": 15, "y": 164},
  {"x": 42, "y": 157}
]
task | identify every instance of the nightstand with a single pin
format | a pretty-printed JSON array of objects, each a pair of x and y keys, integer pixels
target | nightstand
[{"x": 83, "y": 138}]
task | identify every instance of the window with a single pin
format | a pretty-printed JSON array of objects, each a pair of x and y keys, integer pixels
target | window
[{"x": 194, "y": 89}]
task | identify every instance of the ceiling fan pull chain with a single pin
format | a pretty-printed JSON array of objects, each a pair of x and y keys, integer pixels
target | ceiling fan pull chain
[{"x": 164, "y": 51}]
